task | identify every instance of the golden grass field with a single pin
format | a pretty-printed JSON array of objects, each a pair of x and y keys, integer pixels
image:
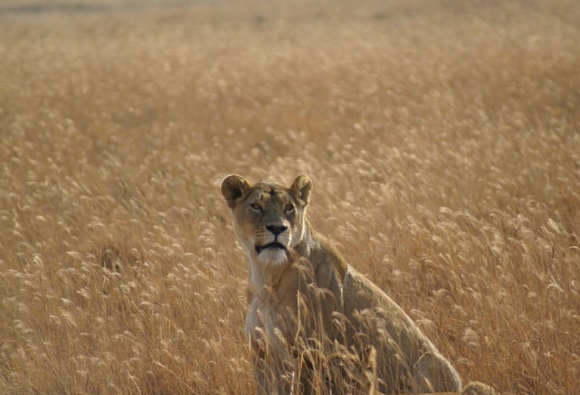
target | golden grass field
[{"x": 442, "y": 137}]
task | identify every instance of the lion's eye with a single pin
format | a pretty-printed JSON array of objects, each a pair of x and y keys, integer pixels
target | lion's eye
[
  {"x": 289, "y": 208},
  {"x": 256, "y": 207}
]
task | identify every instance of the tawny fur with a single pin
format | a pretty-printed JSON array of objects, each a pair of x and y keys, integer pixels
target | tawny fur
[{"x": 302, "y": 293}]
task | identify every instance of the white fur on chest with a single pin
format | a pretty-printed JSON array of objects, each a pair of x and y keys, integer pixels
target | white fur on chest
[
  {"x": 263, "y": 320},
  {"x": 260, "y": 314},
  {"x": 262, "y": 325}
]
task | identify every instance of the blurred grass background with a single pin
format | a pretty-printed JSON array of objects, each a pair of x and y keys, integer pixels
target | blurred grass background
[{"x": 443, "y": 139}]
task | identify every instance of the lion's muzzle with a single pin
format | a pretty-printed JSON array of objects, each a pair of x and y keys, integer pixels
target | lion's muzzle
[{"x": 273, "y": 245}]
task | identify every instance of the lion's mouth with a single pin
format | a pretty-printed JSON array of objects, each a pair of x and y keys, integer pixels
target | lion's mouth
[{"x": 274, "y": 245}]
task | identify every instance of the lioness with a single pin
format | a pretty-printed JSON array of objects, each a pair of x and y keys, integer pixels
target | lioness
[{"x": 315, "y": 324}]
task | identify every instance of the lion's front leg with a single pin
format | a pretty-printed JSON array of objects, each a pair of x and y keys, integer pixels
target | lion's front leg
[
  {"x": 273, "y": 365},
  {"x": 271, "y": 375}
]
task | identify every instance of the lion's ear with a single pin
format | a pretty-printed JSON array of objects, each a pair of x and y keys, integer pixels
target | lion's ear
[
  {"x": 301, "y": 188},
  {"x": 233, "y": 187}
]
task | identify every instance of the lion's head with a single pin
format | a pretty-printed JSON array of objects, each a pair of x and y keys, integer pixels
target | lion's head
[{"x": 269, "y": 218}]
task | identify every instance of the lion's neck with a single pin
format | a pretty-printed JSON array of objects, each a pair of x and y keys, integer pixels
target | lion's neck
[
  {"x": 308, "y": 244},
  {"x": 315, "y": 248},
  {"x": 266, "y": 276}
]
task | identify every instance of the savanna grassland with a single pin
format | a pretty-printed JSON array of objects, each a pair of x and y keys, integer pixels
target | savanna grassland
[{"x": 442, "y": 137}]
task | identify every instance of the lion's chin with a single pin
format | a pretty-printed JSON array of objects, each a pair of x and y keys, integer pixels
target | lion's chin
[{"x": 272, "y": 256}]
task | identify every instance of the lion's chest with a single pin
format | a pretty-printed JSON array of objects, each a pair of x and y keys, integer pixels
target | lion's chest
[
  {"x": 267, "y": 328},
  {"x": 273, "y": 305},
  {"x": 259, "y": 318}
]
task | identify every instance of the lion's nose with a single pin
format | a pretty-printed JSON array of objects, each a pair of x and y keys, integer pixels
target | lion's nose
[{"x": 276, "y": 229}]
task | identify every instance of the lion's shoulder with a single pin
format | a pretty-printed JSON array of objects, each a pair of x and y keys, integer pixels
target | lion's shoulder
[{"x": 324, "y": 256}]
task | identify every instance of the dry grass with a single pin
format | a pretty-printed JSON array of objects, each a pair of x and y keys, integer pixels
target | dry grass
[{"x": 443, "y": 138}]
